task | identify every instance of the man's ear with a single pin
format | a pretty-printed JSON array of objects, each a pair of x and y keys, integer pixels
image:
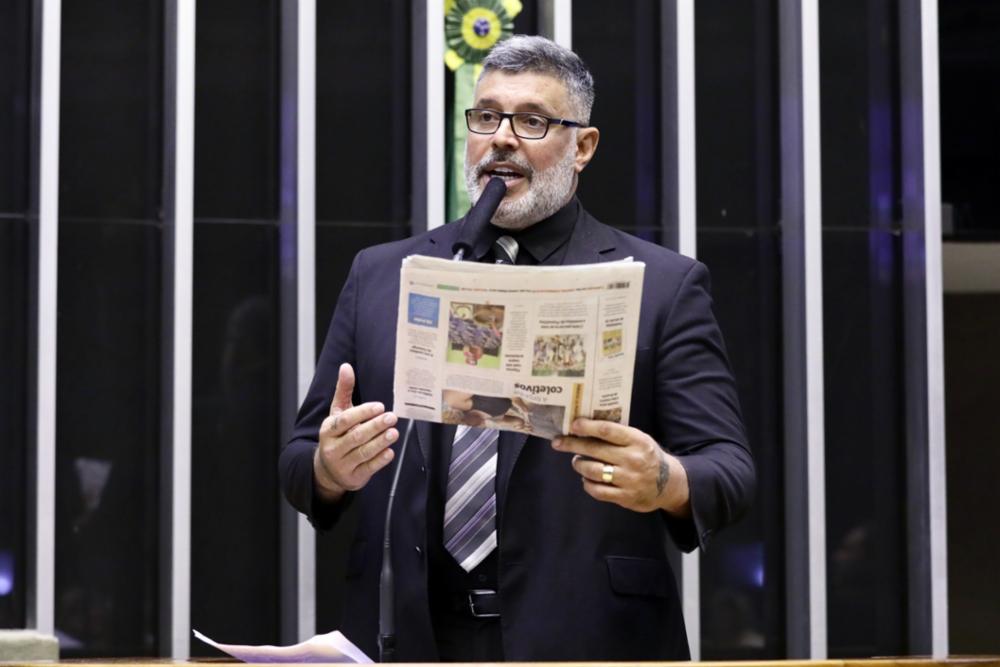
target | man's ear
[{"x": 586, "y": 145}]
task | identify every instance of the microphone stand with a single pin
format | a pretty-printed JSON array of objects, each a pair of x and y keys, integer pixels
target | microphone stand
[{"x": 387, "y": 584}]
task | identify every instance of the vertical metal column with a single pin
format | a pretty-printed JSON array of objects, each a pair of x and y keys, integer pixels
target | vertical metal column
[
  {"x": 46, "y": 20},
  {"x": 679, "y": 213},
  {"x": 924, "y": 335},
  {"x": 805, "y": 513},
  {"x": 297, "y": 262},
  {"x": 428, "y": 149},
  {"x": 555, "y": 21},
  {"x": 178, "y": 314}
]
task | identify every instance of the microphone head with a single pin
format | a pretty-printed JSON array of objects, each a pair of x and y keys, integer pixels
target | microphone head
[
  {"x": 480, "y": 215},
  {"x": 494, "y": 191}
]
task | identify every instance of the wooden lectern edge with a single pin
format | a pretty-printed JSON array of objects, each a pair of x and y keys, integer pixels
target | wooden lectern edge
[{"x": 957, "y": 661}]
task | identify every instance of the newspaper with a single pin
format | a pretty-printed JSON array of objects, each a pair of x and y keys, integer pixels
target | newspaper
[
  {"x": 521, "y": 348},
  {"x": 332, "y": 647}
]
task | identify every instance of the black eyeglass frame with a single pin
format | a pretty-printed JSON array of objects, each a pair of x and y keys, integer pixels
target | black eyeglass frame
[{"x": 509, "y": 116}]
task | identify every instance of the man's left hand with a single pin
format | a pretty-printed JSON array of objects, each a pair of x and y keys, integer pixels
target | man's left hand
[{"x": 643, "y": 476}]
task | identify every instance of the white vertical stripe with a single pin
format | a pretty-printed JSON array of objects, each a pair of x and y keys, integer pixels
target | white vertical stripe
[
  {"x": 687, "y": 204},
  {"x": 306, "y": 281},
  {"x": 935, "y": 330},
  {"x": 183, "y": 269},
  {"x": 691, "y": 600},
  {"x": 42, "y": 615},
  {"x": 562, "y": 22},
  {"x": 435, "y": 115},
  {"x": 812, "y": 238},
  {"x": 687, "y": 234}
]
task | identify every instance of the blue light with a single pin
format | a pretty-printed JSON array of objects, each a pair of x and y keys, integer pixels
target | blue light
[{"x": 6, "y": 573}]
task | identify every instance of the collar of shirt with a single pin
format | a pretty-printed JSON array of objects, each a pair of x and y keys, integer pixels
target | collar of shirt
[{"x": 540, "y": 241}]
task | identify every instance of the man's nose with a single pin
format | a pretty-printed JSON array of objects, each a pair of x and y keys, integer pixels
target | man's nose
[{"x": 504, "y": 137}]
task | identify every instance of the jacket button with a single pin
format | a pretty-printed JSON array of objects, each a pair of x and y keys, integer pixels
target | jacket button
[{"x": 419, "y": 550}]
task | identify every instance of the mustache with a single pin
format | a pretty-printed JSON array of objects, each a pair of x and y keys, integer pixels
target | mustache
[{"x": 504, "y": 156}]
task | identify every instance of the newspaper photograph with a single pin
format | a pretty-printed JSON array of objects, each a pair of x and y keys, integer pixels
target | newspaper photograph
[{"x": 521, "y": 348}]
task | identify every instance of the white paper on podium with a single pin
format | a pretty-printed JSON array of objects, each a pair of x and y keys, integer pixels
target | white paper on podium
[{"x": 331, "y": 647}]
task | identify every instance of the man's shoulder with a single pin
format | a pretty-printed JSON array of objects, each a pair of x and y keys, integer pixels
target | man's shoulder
[
  {"x": 436, "y": 241},
  {"x": 658, "y": 259}
]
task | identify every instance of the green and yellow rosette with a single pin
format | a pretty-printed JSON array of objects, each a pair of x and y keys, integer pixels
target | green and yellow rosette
[{"x": 471, "y": 29}]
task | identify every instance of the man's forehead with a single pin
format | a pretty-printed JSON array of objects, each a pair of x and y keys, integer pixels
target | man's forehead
[{"x": 521, "y": 91}]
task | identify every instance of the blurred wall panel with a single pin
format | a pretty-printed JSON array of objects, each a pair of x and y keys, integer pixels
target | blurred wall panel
[
  {"x": 863, "y": 335},
  {"x": 109, "y": 352},
  {"x": 621, "y": 186},
  {"x": 15, "y": 271},
  {"x": 235, "y": 429},
  {"x": 739, "y": 239}
]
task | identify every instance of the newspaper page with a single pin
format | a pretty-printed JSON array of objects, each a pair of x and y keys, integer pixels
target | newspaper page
[
  {"x": 521, "y": 348},
  {"x": 332, "y": 647}
]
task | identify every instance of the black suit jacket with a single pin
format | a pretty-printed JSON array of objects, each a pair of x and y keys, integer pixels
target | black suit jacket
[{"x": 578, "y": 579}]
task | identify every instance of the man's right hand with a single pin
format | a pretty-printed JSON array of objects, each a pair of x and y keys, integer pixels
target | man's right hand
[{"x": 354, "y": 442}]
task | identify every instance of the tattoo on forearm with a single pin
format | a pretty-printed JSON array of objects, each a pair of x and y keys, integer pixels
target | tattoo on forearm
[{"x": 661, "y": 479}]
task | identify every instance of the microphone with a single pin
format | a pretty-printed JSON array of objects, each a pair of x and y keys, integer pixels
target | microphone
[{"x": 478, "y": 217}]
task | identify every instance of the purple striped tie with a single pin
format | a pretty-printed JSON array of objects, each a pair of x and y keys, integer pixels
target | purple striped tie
[{"x": 470, "y": 509}]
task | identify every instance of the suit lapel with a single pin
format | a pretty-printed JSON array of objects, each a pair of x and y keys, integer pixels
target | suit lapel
[
  {"x": 590, "y": 243},
  {"x": 439, "y": 241}
]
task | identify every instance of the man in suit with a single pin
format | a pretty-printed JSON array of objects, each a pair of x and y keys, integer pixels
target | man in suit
[{"x": 575, "y": 567}]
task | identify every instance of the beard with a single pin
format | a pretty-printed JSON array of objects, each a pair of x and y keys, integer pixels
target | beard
[{"x": 548, "y": 190}]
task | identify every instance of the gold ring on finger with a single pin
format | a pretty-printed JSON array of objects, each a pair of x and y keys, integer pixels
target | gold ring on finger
[{"x": 608, "y": 474}]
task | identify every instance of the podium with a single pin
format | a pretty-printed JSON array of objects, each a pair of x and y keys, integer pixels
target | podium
[{"x": 957, "y": 661}]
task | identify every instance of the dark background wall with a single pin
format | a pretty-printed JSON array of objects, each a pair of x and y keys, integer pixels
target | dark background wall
[{"x": 111, "y": 287}]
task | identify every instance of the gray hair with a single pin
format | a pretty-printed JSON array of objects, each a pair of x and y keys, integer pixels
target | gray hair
[{"x": 528, "y": 53}]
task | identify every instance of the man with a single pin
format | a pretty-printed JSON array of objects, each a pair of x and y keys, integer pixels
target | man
[{"x": 576, "y": 566}]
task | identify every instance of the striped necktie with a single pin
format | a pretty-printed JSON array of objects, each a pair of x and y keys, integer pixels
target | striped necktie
[{"x": 470, "y": 509}]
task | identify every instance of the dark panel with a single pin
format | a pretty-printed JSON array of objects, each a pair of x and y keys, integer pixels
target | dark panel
[
  {"x": 337, "y": 246},
  {"x": 859, "y": 108},
  {"x": 622, "y": 49},
  {"x": 235, "y": 434},
  {"x": 972, "y": 366},
  {"x": 15, "y": 72},
  {"x": 15, "y": 69},
  {"x": 737, "y": 115},
  {"x": 363, "y": 111},
  {"x": 107, "y": 439},
  {"x": 526, "y": 23},
  {"x": 109, "y": 349},
  {"x": 236, "y": 110},
  {"x": 234, "y": 554},
  {"x": 14, "y": 314},
  {"x": 865, "y": 455},
  {"x": 862, "y": 331},
  {"x": 970, "y": 106},
  {"x": 743, "y": 571},
  {"x": 110, "y": 134}
]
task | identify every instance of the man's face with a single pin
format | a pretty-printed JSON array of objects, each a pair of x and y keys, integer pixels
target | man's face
[{"x": 541, "y": 174}]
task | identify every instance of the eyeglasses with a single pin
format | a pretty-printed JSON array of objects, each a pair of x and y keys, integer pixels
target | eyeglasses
[{"x": 525, "y": 124}]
